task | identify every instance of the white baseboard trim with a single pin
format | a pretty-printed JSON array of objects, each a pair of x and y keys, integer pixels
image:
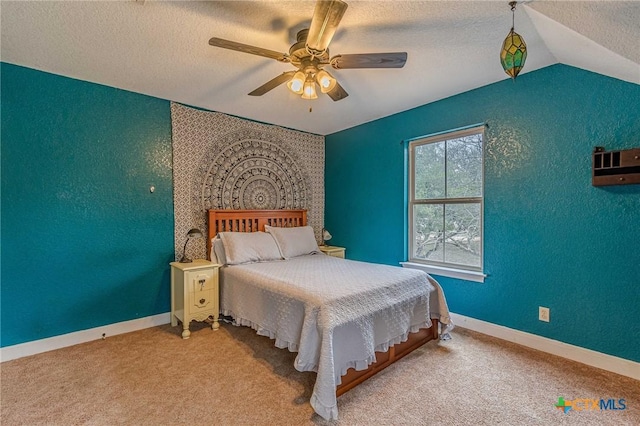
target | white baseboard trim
[
  {"x": 606, "y": 362},
  {"x": 8, "y": 353}
]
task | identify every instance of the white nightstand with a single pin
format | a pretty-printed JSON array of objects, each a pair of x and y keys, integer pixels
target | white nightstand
[
  {"x": 333, "y": 251},
  {"x": 194, "y": 294}
]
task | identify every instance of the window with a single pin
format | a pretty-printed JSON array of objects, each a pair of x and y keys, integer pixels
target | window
[{"x": 446, "y": 201}]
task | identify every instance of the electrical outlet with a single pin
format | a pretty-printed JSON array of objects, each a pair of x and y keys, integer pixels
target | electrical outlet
[{"x": 543, "y": 314}]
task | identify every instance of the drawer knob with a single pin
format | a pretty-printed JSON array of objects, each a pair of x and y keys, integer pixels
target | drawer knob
[
  {"x": 621, "y": 179},
  {"x": 202, "y": 301}
]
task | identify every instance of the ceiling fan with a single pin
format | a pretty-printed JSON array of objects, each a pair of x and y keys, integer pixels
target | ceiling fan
[{"x": 310, "y": 54}]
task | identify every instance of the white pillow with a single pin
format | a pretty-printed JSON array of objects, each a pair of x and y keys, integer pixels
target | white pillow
[
  {"x": 246, "y": 247},
  {"x": 212, "y": 253},
  {"x": 295, "y": 241},
  {"x": 217, "y": 251}
]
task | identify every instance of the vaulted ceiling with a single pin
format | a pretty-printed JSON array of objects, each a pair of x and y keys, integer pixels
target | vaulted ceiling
[{"x": 161, "y": 49}]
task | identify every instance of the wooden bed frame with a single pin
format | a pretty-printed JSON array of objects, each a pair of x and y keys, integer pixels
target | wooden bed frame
[{"x": 255, "y": 220}]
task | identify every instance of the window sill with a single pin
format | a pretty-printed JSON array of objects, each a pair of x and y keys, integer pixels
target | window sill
[{"x": 447, "y": 272}]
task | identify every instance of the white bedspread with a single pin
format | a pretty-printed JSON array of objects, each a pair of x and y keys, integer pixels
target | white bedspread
[{"x": 334, "y": 312}]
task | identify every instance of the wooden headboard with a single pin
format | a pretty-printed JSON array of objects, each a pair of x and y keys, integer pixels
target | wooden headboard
[{"x": 251, "y": 221}]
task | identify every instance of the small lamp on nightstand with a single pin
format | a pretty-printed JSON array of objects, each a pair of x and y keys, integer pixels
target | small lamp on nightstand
[
  {"x": 193, "y": 233},
  {"x": 326, "y": 236}
]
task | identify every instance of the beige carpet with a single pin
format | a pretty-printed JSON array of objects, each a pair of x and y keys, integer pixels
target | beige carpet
[{"x": 234, "y": 377}]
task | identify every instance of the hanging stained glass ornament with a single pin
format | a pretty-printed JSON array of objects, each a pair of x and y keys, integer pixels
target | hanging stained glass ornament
[{"x": 514, "y": 49}]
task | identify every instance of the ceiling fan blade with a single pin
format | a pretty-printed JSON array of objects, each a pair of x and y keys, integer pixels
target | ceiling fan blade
[
  {"x": 324, "y": 24},
  {"x": 227, "y": 44},
  {"x": 273, "y": 83},
  {"x": 337, "y": 93},
  {"x": 370, "y": 60}
]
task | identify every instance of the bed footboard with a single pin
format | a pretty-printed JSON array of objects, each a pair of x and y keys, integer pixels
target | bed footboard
[
  {"x": 385, "y": 359},
  {"x": 255, "y": 220}
]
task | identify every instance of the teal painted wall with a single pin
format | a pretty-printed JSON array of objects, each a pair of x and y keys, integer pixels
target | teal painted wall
[
  {"x": 551, "y": 238},
  {"x": 84, "y": 241}
]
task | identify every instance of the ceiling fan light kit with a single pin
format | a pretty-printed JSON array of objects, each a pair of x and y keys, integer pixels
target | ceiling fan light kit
[
  {"x": 514, "y": 49},
  {"x": 310, "y": 54}
]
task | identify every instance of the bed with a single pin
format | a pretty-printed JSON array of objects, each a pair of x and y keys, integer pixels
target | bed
[{"x": 346, "y": 320}]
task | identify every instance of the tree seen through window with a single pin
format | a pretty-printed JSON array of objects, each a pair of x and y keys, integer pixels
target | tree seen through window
[{"x": 446, "y": 199}]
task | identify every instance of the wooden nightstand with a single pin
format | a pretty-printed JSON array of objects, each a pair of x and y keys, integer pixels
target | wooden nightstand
[
  {"x": 194, "y": 294},
  {"x": 333, "y": 251}
]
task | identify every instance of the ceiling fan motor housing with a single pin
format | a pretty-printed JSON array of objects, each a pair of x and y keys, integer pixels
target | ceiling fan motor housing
[{"x": 300, "y": 57}]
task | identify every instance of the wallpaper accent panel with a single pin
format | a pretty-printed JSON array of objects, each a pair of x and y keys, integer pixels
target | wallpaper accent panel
[{"x": 226, "y": 162}]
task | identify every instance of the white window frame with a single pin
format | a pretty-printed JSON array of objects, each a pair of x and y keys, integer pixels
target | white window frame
[{"x": 452, "y": 270}]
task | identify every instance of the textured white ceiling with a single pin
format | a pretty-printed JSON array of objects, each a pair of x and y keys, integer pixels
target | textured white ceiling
[{"x": 161, "y": 49}]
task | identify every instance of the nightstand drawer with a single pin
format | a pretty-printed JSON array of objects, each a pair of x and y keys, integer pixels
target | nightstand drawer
[
  {"x": 202, "y": 280},
  {"x": 201, "y": 300}
]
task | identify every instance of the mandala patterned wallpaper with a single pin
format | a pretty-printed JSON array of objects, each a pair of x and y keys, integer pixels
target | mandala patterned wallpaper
[{"x": 225, "y": 162}]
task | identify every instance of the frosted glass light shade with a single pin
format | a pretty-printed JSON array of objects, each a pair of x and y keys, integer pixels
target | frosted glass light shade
[
  {"x": 296, "y": 84},
  {"x": 309, "y": 91},
  {"x": 325, "y": 81}
]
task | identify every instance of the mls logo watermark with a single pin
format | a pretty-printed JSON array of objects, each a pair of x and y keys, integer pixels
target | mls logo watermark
[{"x": 590, "y": 404}]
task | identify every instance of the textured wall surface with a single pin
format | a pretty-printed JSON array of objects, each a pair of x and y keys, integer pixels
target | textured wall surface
[
  {"x": 225, "y": 162},
  {"x": 84, "y": 241},
  {"x": 551, "y": 238}
]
